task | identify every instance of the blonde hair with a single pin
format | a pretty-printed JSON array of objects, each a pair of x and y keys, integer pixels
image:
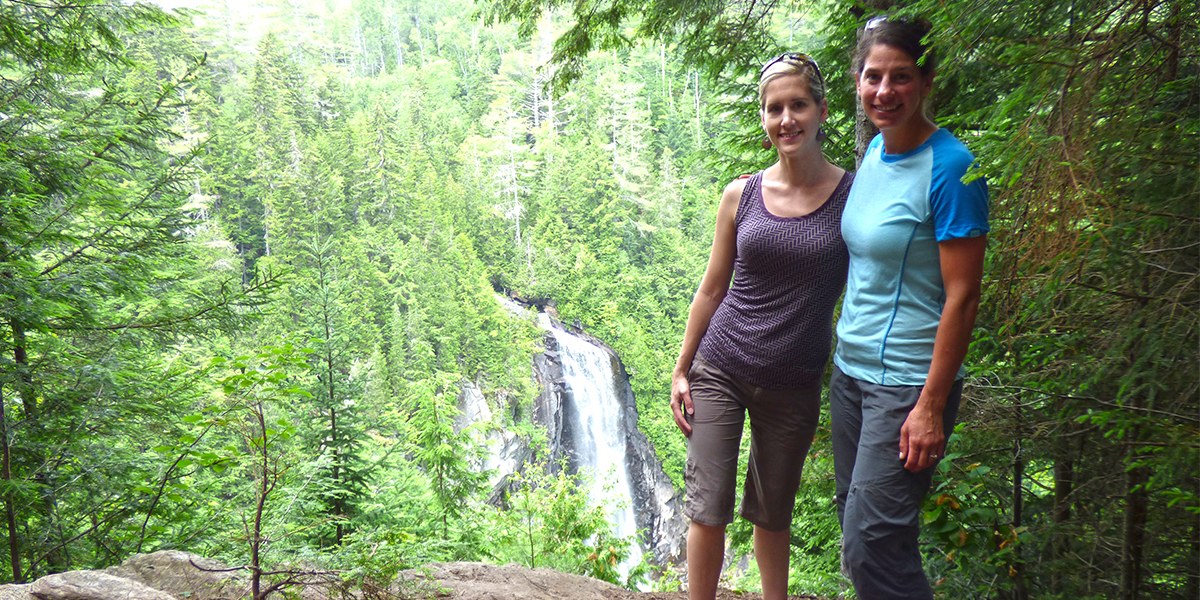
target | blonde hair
[{"x": 789, "y": 65}]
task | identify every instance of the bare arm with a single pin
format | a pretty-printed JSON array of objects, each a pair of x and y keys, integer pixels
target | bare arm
[
  {"x": 922, "y": 440},
  {"x": 711, "y": 292}
]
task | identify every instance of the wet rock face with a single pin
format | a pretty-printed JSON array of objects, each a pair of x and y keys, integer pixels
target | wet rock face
[
  {"x": 548, "y": 407},
  {"x": 658, "y": 507}
]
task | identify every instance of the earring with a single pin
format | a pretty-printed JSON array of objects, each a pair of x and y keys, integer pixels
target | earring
[
  {"x": 766, "y": 144},
  {"x": 822, "y": 135}
]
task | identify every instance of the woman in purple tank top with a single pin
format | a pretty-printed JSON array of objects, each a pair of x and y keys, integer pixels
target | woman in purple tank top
[{"x": 759, "y": 332}]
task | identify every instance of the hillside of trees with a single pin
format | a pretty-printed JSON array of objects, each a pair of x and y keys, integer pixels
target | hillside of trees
[{"x": 249, "y": 254}]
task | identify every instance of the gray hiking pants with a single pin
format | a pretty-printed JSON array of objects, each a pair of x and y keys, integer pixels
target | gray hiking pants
[{"x": 879, "y": 502}]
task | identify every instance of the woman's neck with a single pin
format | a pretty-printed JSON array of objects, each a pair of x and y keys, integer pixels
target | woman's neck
[
  {"x": 801, "y": 170},
  {"x": 898, "y": 140}
]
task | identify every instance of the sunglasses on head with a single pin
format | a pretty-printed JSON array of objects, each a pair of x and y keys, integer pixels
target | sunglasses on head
[
  {"x": 874, "y": 22},
  {"x": 796, "y": 56}
]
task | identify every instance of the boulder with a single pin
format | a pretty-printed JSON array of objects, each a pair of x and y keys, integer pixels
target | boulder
[
  {"x": 184, "y": 575},
  {"x": 93, "y": 585},
  {"x": 15, "y": 592},
  {"x": 480, "y": 581}
]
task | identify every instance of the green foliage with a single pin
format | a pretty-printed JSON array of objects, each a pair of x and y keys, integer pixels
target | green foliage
[
  {"x": 447, "y": 456},
  {"x": 962, "y": 534},
  {"x": 101, "y": 267},
  {"x": 550, "y": 521},
  {"x": 816, "y": 536},
  {"x": 256, "y": 389}
]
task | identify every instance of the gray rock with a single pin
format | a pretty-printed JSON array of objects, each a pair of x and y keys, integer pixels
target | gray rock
[
  {"x": 185, "y": 575},
  {"x": 15, "y": 592},
  {"x": 480, "y": 581},
  {"x": 93, "y": 585}
]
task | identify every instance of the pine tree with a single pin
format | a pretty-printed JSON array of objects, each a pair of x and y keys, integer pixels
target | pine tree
[
  {"x": 336, "y": 398},
  {"x": 96, "y": 268}
]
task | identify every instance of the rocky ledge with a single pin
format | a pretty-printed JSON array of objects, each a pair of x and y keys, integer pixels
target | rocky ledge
[{"x": 174, "y": 575}]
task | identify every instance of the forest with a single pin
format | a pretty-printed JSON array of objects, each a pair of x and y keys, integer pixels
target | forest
[{"x": 250, "y": 254}]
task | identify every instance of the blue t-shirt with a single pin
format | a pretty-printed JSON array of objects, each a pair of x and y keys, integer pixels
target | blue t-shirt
[{"x": 900, "y": 207}]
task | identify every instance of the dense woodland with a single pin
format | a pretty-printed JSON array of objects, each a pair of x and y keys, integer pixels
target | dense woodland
[{"x": 250, "y": 253}]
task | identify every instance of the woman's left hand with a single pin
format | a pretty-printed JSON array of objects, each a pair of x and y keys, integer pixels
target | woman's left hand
[{"x": 921, "y": 439}]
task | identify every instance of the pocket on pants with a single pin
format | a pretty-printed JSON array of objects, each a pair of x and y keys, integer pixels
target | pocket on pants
[{"x": 888, "y": 508}]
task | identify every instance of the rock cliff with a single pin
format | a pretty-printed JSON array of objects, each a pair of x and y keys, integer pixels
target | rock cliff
[{"x": 657, "y": 508}]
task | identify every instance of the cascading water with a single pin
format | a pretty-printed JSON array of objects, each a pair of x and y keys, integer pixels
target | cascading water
[
  {"x": 598, "y": 430},
  {"x": 588, "y": 410}
]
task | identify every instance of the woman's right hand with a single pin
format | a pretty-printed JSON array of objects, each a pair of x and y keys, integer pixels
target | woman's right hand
[
  {"x": 713, "y": 288},
  {"x": 681, "y": 401}
]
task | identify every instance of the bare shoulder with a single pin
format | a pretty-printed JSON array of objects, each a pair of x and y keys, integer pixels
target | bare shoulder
[
  {"x": 733, "y": 194},
  {"x": 735, "y": 188}
]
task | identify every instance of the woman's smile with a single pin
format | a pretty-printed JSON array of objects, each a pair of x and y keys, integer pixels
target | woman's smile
[{"x": 891, "y": 88}]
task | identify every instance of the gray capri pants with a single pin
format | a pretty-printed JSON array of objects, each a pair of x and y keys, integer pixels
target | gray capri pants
[
  {"x": 878, "y": 500},
  {"x": 782, "y": 425}
]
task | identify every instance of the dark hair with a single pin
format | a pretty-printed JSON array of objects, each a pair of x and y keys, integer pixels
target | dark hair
[{"x": 902, "y": 34}]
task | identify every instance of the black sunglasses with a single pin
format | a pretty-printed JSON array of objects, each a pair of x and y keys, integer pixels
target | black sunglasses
[{"x": 798, "y": 57}]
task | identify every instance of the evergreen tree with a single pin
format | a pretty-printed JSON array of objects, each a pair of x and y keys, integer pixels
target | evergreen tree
[
  {"x": 448, "y": 457},
  {"x": 96, "y": 270},
  {"x": 344, "y": 477}
]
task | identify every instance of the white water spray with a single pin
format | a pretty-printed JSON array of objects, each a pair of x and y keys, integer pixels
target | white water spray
[{"x": 600, "y": 438}]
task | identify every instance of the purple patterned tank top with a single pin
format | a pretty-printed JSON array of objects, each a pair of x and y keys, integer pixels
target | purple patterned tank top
[{"x": 774, "y": 329}]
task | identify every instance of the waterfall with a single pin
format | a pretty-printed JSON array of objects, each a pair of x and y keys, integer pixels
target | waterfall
[
  {"x": 595, "y": 418},
  {"x": 587, "y": 408}
]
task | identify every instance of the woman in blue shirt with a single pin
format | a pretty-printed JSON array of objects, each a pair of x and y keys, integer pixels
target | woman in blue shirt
[{"x": 916, "y": 236}]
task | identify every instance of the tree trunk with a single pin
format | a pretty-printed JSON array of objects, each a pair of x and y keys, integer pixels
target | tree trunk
[
  {"x": 1064, "y": 483},
  {"x": 339, "y": 503},
  {"x": 1170, "y": 71},
  {"x": 1018, "y": 500},
  {"x": 56, "y": 558},
  {"x": 10, "y": 513},
  {"x": 24, "y": 376},
  {"x": 1136, "y": 501},
  {"x": 264, "y": 490},
  {"x": 864, "y": 129}
]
